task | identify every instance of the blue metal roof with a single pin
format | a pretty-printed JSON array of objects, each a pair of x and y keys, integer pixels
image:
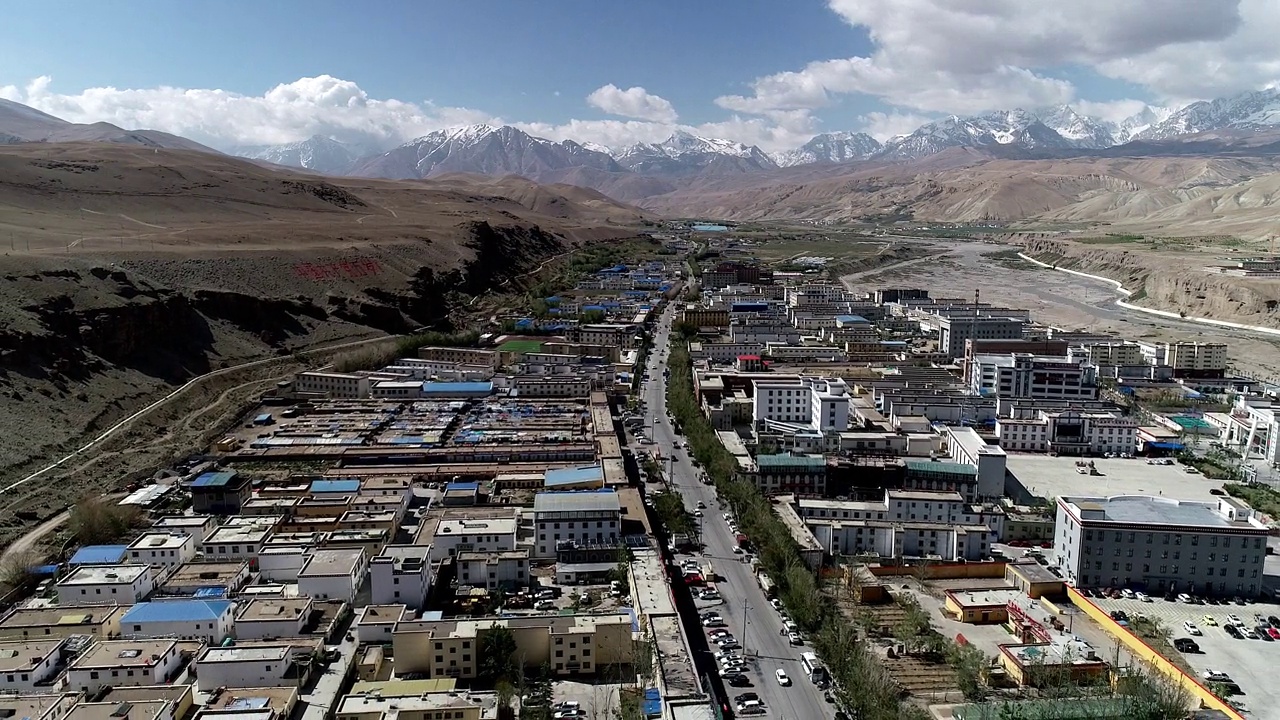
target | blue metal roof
[
  {"x": 851, "y": 319},
  {"x": 339, "y": 486},
  {"x": 176, "y": 611},
  {"x": 462, "y": 487},
  {"x": 99, "y": 555},
  {"x": 214, "y": 479},
  {"x": 458, "y": 387},
  {"x": 572, "y": 476}
]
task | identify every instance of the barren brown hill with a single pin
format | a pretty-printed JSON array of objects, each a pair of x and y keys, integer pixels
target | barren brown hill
[
  {"x": 1177, "y": 195},
  {"x": 126, "y": 270}
]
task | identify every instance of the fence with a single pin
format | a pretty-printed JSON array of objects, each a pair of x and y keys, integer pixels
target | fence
[{"x": 1147, "y": 653}]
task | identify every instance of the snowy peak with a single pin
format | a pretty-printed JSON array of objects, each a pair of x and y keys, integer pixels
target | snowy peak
[
  {"x": 685, "y": 154},
  {"x": 832, "y": 147},
  {"x": 1079, "y": 130},
  {"x": 484, "y": 149},
  {"x": 1248, "y": 111},
  {"x": 318, "y": 152}
]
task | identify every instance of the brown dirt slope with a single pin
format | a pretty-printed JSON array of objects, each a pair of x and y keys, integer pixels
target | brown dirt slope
[
  {"x": 125, "y": 270},
  {"x": 1178, "y": 195}
]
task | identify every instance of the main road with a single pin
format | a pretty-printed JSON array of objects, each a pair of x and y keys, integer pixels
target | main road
[{"x": 746, "y": 611}]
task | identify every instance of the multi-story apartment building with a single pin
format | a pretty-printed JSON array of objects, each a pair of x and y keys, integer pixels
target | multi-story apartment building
[
  {"x": 401, "y": 575},
  {"x": 568, "y": 644},
  {"x": 1033, "y": 377},
  {"x": 332, "y": 384},
  {"x": 1196, "y": 359},
  {"x": 1113, "y": 354},
  {"x": 785, "y": 473},
  {"x": 1069, "y": 432},
  {"x": 1161, "y": 544},
  {"x": 904, "y": 539},
  {"x": 165, "y": 550},
  {"x": 467, "y": 356},
  {"x": 460, "y": 535},
  {"x": 954, "y": 331},
  {"x": 581, "y": 517},
  {"x": 818, "y": 403},
  {"x": 493, "y": 571}
]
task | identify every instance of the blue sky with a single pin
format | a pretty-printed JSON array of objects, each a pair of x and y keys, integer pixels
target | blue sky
[{"x": 767, "y": 71}]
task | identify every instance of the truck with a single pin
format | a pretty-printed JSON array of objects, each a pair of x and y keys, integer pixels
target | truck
[{"x": 743, "y": 541}]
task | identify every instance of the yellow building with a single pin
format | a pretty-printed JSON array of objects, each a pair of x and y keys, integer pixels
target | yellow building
[
  {"x": 979, "y": 606},
  {"x": 569, "y": 644},
  {"x": 100, "y": 621},
  {"x": 1063, "y": 660}
]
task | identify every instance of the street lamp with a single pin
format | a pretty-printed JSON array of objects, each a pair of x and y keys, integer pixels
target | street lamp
[{"x": 746, "y": 618}]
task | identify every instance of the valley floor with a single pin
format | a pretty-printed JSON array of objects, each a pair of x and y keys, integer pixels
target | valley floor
[{"x": 1071, "y": 302}]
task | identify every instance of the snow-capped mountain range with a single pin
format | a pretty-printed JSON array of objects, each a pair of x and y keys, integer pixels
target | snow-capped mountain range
[{"x": 505, "y": 149}]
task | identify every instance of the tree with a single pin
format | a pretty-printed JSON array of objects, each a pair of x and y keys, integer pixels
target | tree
[
  {"x": 95, "y": 520},
  {"x": 497, "y": 648},
  {"x": 15, "y": 570},
  {"x": 968, "y": 663}
]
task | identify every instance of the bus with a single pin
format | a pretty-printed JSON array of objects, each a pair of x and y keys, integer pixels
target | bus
[{"x": 814, "y": 668}]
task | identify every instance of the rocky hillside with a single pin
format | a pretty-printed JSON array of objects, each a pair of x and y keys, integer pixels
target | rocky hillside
[
  {"x": 127, "y": 273},
  {"x": 1170, "y": 281}
]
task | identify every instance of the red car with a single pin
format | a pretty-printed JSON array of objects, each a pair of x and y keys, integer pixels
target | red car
[{"x": 1274, "y": 633}]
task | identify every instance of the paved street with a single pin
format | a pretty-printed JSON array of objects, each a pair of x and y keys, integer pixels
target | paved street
[{"x": 746, "y": 612}]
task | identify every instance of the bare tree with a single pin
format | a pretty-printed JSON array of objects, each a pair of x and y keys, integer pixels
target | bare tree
[
  {"x": 94, "y": 519},
  {"x": 16, "y": 568}
]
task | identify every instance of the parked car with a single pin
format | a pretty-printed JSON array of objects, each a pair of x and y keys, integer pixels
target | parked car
[
  {"x": 1142, "y": 597},
  {"x": 733, "y": 670},
  {"x": 1186, "y": 645},
  {"x": 1128, "y": 594},
  {"x": 795, "y": 638},
  {"x": 1261, "y": 632},
  {"x": 738, "y": 680},
  {"x": 1191, "y": 628},
  {"x": 1215, "y": 676},
  {"x": 1233, "y": 631},
  {"x": 1209, "y": 620},
  {"x": 1184, "y": 598}
]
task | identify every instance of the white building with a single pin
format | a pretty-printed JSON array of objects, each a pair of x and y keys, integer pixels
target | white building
[
  {"x": 583, "y": 518},
  {"x": 396, "y": 389},
  {"x": 332, "y": 384},
  {"x": 239, "y": 541},
  {"x": 209, "y": 620},
  {"x": 124, "y": 663},
  {"x": 905, "y": 506},
  {"x": 26, "y": 663},
  {"x": 904, "y": 539},
  {"x": 106, "y": 585},
  {"x": 967, "y": 447},
  {"x": 1161, "y": 544},
  {"x": 1069, "y": 432},
  {"x": 248, "y": 666},
  {"x": 1196, "y": 359},
  {"x": 162, "y": 549},
  {"x": 954, "y": 331},
  {"x": 505, "y": 570},
  {"x": 270, "y": 618},
  {"x": 1032, "y": 377},
  {"x": 401, "y": 575},
  {"x": 818, "y": 403},
  {"x": 333, "y": 574},
  {"x": 197, "y": 526},
  {"x": 478, "y": 535}
]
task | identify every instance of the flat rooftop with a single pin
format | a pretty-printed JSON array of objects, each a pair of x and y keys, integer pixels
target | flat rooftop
[
  {"x": 1041, "y": 475},
  {"x": 339, "y": 561},
  {"x": 157, "y": 540},
  {"x": 25, "y": 655},
  {"x": 210, "y": 573},
  {"x": 245, "y": 653},
  {"x": 649, "y": 590},
  {"x": 35, "y": 707},
  {"x": 272, "y": 609},
  {"x": 248, "y": 533},
  {"x": 138, "y": 710},
  {"x": 123, "y": 653},
  {"x": 984, "y": 597},
  {"x": 60, "y": 615},
  {"x": 1153, "y": 510},
  {"x": 105, "y": 574}
]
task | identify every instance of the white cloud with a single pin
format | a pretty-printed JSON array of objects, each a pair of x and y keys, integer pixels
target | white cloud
[
  {"x": 288, "y": 112},
  {"x": 951, "y": 56},
  {"x": 1111, "y": 111},
  {"x": 635, "y": 102},
  {"x": 339, "y": 108},
  {"x": 883, "y": 126}
]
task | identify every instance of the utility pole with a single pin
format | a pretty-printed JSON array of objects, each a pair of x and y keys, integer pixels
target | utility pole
[{"x": 746, "y": 617}]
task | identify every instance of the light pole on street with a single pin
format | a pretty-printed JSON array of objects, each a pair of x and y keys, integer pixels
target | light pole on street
[{"x": 746, "y": 618}]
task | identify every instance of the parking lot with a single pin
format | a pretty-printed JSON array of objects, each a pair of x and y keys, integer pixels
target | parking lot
[
  {"x": 1250, "y": 663},
  {"x": 1032, "y": 474}
]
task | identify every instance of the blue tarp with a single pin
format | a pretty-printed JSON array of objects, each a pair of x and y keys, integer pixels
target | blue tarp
[
  {"x": 210, "y": 592},
  {"x": 44, "y": 570},
  {"x": 339, "y": 486},
  {"x": 652, "y": 703},
  {"x": 1161, "y": 445}
]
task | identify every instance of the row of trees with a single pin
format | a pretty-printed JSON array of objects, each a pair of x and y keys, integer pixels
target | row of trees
[{"x": 863, "y": 686}]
